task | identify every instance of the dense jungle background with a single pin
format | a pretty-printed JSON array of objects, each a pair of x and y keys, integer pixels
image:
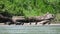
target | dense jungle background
[{"x": 29, "y": 8}]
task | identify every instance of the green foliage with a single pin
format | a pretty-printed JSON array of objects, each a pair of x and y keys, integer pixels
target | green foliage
[{"x": 29, "y": 7}]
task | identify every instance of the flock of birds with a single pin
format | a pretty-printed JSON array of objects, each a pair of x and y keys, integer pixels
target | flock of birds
[{"x": 20, "y": 20}]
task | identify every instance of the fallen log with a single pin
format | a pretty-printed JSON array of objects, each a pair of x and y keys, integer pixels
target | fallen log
[{"x": 47, "y": 18}]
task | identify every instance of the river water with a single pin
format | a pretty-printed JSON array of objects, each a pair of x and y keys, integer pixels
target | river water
[{"x": 20, "y": 29}]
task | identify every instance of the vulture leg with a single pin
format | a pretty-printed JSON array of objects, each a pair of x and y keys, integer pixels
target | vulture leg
[
  {"x": 30, "y": 23},
  {"x": 36, "y": 23},
  {"x": 22, "y": 23}
]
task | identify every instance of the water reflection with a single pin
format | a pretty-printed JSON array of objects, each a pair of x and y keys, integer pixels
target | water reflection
[{"x": 30, "y": 29}]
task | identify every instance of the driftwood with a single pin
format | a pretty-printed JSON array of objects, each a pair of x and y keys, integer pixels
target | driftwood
[
  {"x": 21, "y": 19},
  {"x": 15, "y": 18},
  {"x": 7, "y": 20},
  {"x": 47, "y": 18}
]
